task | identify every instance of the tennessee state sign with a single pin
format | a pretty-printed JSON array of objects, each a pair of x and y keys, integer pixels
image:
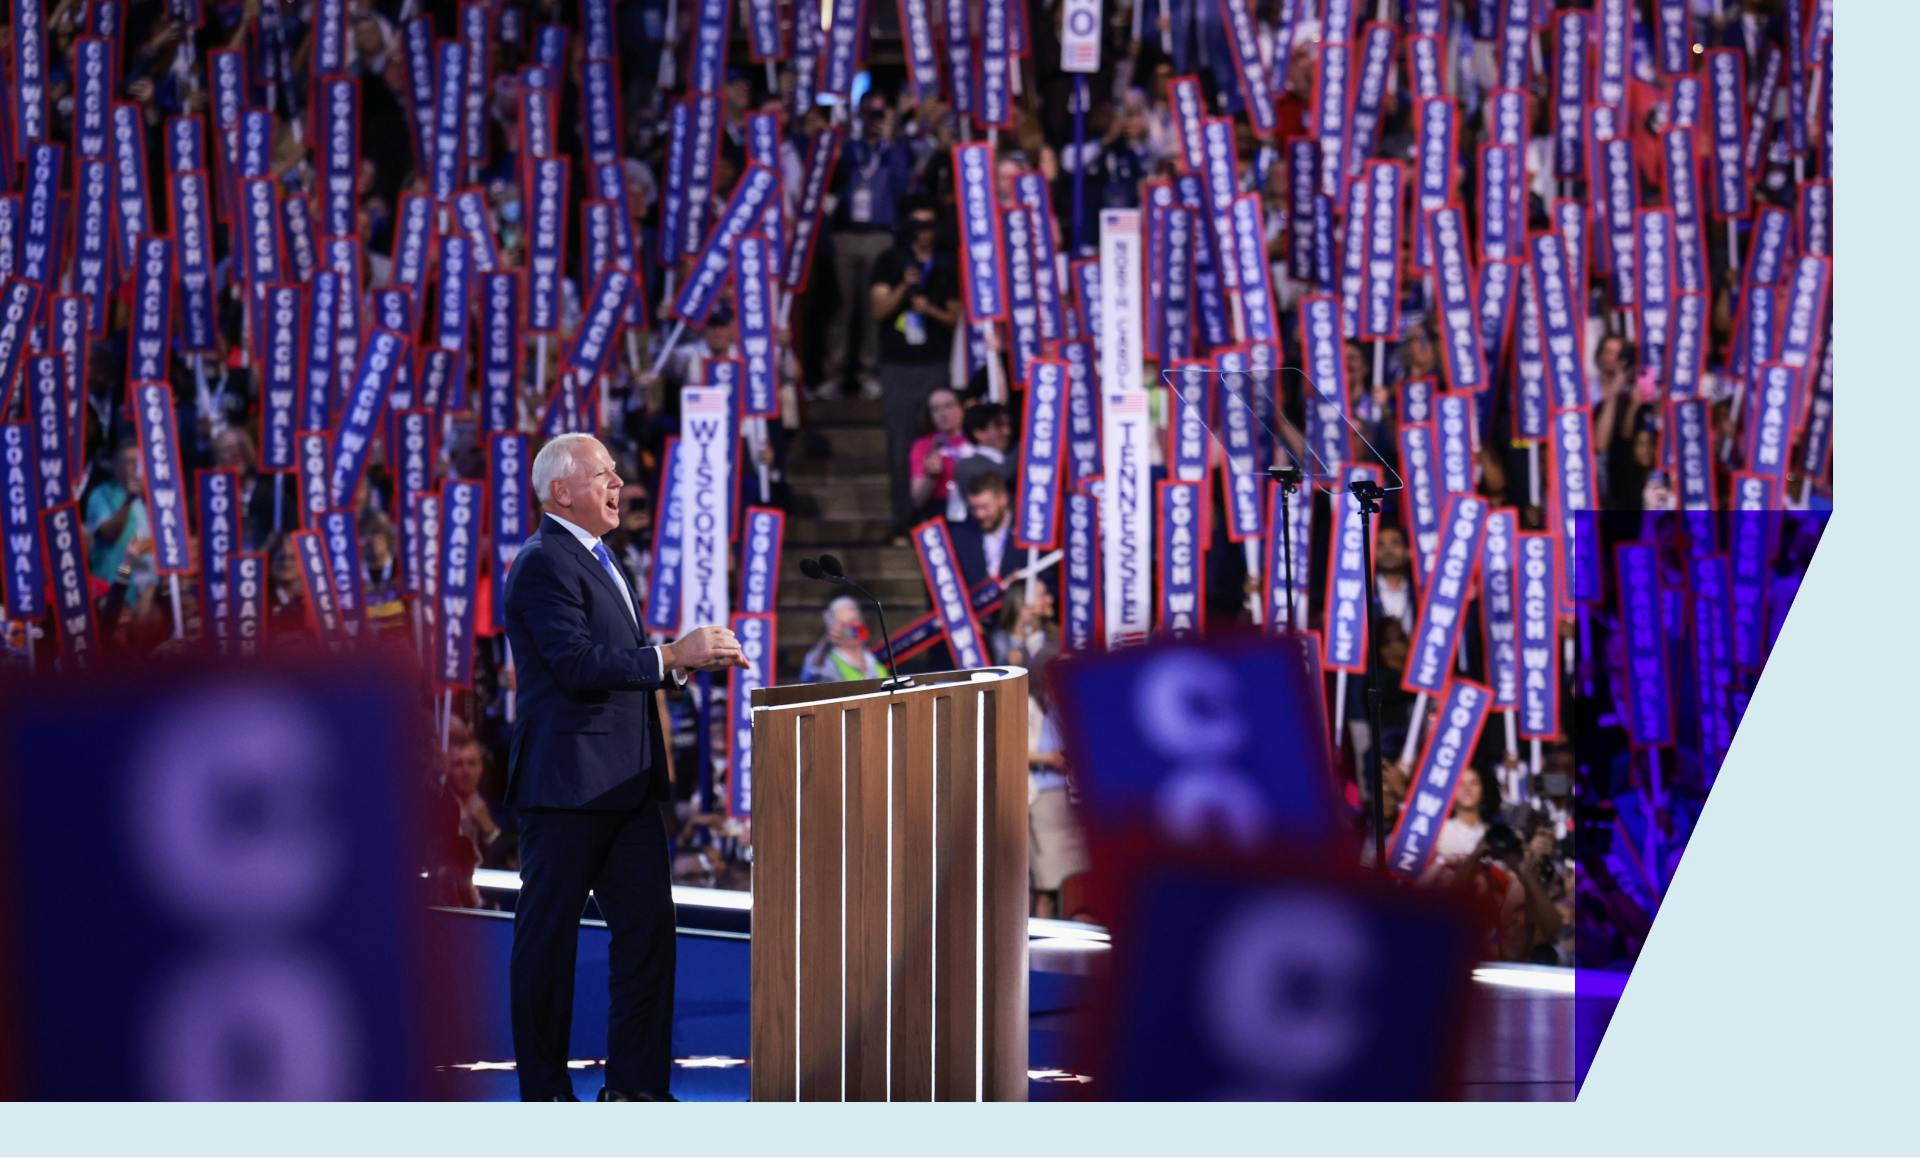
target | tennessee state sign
[{"x": 1126, "y": 517}]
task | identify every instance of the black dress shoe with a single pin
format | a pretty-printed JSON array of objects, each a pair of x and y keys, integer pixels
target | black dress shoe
[{"x": 609, "y": 1094}]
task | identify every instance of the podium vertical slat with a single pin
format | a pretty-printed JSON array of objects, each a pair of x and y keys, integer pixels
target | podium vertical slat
[
  {"x": 775, "y": 934},
  {"x": 1006, "y": 891},
  {"x": 867, "y": 897},
  {"x": 956, "y": 939},
  {"x": 911, "y": 1060},
  {"x": 822, "y": 982}
]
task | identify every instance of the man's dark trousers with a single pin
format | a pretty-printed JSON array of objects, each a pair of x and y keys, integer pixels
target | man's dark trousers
[{"x": 622, "y": 857}]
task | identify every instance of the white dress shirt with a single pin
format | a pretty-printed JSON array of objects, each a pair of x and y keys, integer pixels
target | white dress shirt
[{"x": 592, "y": 542}]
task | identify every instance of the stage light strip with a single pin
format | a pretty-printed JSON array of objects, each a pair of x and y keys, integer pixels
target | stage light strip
[
  {"x": 1533, "y": 978},
  {"x": 741, "y": 900}
]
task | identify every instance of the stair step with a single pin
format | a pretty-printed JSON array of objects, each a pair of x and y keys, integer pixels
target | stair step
[
  {"x": 891, "y": 592},
  {"x": 867, "y": 571},
  {"x": 863, "y": 494},
  {"x": 855, "y": 441},
  {"x": 842, "y": 411},
  {"x": 868, "y": 560},
  {"x": 823, "y": 473},
  {"x": 840, "y": 529}
]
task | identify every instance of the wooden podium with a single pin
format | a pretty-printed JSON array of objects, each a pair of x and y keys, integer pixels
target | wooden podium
[{"x": 889, "y": 957}]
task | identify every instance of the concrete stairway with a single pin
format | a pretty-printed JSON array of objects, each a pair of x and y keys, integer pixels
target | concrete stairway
[{"x": 838, "y": 472}]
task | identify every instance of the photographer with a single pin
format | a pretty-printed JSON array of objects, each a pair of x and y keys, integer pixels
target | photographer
[
  {"x": 915, "y": 297},
  {"x": 1508, "y": 882}
]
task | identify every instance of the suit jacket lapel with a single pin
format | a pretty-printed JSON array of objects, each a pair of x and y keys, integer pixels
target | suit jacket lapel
[{"x": 587, "y": 559}]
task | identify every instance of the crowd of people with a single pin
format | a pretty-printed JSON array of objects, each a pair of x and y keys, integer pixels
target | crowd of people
[{"x": 882, "y": 316}]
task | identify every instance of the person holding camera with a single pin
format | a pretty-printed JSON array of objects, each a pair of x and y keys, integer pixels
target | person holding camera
[{"x": 915, "y": 299}]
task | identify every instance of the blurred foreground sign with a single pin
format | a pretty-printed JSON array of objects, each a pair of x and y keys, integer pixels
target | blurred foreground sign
[
  {"x": 1235, "y": 980},
  {"x": 210, "y": 887},
  {"x": 1203, "y": 742}
]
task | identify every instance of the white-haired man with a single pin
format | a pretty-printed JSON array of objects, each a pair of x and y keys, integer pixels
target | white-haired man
[{"x": 587, "y": 774}]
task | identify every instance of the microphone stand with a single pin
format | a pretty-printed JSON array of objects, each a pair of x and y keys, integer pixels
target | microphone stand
[
  {"x": 1368, "y": 494},
  {"x": 1289, "y": 478}
]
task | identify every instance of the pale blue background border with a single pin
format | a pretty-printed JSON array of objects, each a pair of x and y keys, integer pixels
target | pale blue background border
[{"x": 1774, "y": 1009}]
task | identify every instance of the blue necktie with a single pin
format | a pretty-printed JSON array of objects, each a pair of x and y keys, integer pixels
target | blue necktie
[{"x": 605, "y": 556}]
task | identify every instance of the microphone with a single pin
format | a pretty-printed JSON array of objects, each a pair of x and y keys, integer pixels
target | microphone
[{"x": 827, "y": 568}]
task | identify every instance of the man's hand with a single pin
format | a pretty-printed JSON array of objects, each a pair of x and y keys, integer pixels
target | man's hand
[{"x": 704, "y": 649}]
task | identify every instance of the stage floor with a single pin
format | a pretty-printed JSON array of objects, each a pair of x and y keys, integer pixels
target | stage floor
[{"x": 1521, "y": 1044}]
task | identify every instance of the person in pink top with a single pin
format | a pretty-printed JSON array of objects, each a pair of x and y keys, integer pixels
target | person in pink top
[{"x": 931, "y": 458}]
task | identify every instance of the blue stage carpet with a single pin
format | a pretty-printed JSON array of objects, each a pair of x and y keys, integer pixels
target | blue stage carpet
[{"x": 709, "y": 1022}]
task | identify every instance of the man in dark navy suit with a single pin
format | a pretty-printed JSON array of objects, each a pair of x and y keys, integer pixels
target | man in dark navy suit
[
  {"x": 983, "y": 542},
  {"x": 588, "y": 775}
]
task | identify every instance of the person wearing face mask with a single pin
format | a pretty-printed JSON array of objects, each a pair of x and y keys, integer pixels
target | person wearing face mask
[{"x": 842, "y": 654}]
